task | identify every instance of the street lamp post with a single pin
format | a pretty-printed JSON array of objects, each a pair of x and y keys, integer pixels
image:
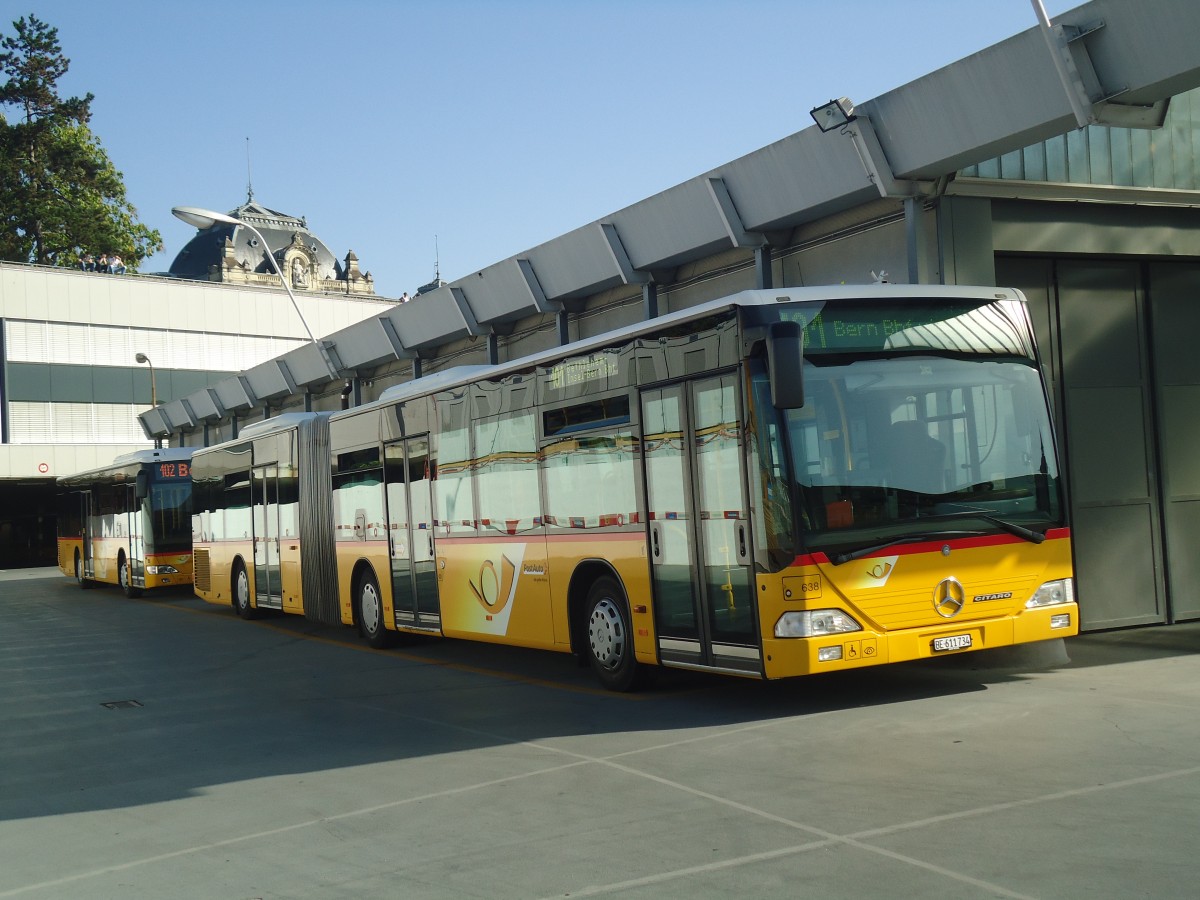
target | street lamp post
[
  {"x": 206, "y": 218},
  {"x": 143, "y": 359}
]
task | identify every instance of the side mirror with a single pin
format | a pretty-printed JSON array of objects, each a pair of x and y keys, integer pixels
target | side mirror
[
  {"x": 785, "y": 364},
  {"x": 142, "y": 484}
]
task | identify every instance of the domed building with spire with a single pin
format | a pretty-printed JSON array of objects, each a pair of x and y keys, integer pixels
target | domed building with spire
[{"x": 231, "y": 254}]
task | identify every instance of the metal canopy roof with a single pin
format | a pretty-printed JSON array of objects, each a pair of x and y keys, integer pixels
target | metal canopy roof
[
  {"x": 1118, "y": 60},
  {"x": 1009, "y": 96}
]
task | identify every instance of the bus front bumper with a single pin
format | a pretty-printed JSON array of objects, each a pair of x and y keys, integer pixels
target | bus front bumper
[{"x": 788, "y": 657}]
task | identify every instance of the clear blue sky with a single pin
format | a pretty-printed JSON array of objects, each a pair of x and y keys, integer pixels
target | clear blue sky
[{"x": 495, "y": 125}]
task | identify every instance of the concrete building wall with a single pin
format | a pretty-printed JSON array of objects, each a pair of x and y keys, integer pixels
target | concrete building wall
[{"x": 71, "y": 388}]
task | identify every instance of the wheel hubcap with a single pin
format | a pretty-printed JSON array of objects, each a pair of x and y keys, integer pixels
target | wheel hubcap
[
  {"x": 243, "y": 590},
  {"x": 370, "y": 608},
  {"x": 606, "y": 634}
]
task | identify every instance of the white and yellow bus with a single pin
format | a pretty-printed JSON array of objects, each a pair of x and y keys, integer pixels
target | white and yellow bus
[
  {"x": 773, "y": 484},
  {"x": 128, "y": 523}
]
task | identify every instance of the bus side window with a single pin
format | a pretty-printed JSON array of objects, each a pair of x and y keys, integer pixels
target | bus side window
[{"x": 506, "y": 472}]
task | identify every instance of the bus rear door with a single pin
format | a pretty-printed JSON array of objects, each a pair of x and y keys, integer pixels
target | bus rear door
[
  {"x": 268, "y": 589},
  {"x": 410, "y": 534},
  {"x": 86, "y": 563}
]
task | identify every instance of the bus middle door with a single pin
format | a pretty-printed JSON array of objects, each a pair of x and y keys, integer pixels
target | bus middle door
[{"x": 700, "y": 554}]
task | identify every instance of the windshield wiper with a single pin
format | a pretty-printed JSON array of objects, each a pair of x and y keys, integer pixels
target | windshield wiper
[
  {"x": 1028, "y": 534},
  {"x": 838, "y": 558}
]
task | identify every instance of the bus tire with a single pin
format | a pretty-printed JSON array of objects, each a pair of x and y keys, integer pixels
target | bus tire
[
  {"x": 79, "y": 577},
  {"x": 369, "y": 609},
  {"x": 609, "y": 637},
  {"x": 125, "y": 579},
  {"x": 241, "y": 592}
]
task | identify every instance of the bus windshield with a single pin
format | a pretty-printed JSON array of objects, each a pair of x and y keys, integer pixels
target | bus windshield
[
  {"x": 171, "y": 517},
  {"x": 926, "y": 423}
]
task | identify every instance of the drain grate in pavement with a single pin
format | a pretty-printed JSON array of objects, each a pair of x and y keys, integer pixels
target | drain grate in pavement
[{"x": 121, "y": 704}]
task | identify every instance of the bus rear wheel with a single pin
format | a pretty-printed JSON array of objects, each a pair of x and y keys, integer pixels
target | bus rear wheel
[
  {"x": 610, "y": 639},
  {"x": 370, "y": 612},
  {"x": 241, "y": 593}
]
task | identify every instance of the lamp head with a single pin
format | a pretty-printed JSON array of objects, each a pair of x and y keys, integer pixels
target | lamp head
[
  {"x": 142, "y": 358},
  {"x": 834, "y": 114},
  {"x": 202, "y": 218}
]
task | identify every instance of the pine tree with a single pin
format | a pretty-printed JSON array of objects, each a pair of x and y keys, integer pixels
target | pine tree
[{"x": 60, "y": 195}]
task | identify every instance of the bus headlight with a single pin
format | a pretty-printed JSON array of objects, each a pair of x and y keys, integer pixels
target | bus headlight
[
  {"x": 814, "y": 623},
  {"x": 1053, "y": 593},
  {"x": 161, "y": 570}
]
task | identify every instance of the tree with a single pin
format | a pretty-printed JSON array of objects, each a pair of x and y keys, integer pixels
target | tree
[{"x": 60, "y": 195}]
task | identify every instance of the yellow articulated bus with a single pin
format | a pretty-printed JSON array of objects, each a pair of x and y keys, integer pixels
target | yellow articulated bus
[
  {"x": 128, "y": 523},
  {"x": 769, "y": 485}
]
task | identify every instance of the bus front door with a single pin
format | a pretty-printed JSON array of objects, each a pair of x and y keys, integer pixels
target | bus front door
[
  {"x": 136, "y": 572},
  {"x": 410, "y": 534},
  {"x": 699, "y": 526},
  {"x": 265, "y": 502}
]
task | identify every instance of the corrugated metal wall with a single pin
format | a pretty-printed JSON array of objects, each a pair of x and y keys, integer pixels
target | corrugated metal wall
[{"x": 1166, "y": 158}]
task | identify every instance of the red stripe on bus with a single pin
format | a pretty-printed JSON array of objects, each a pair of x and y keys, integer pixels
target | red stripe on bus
[
  {"x": 990, "y": 540},
  {"x": 499, "y": 538}
]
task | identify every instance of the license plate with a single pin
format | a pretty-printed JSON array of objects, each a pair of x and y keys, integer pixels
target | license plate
[{"x": 953, "y": 642}]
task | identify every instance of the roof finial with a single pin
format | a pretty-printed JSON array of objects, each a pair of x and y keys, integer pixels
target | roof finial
[
  {"x": 437, "y": 262},
  {"x": 249, "y": 183}
]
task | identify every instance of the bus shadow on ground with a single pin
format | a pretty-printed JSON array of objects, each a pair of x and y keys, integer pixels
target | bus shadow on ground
[
  {"x": 706, "y": 697},
  {"x": 221, "y": 701},
  {"x": 816, "y": 693}
]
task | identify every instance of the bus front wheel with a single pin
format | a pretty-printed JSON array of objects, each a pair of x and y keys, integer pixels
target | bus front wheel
[
  {"x": 125, "y": 580},
  {"x": 610, "y": 639},
  {"x": 370, "y": 612},
  {"x": 79, "y": 577},
  {"x": 241, "y": 593}
]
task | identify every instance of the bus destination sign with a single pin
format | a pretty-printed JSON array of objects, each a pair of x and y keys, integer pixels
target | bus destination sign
[{"x": 169, "y": 470}]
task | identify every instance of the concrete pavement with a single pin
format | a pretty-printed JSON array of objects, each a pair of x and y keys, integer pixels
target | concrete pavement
[{"x": 163, "y": 748}]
